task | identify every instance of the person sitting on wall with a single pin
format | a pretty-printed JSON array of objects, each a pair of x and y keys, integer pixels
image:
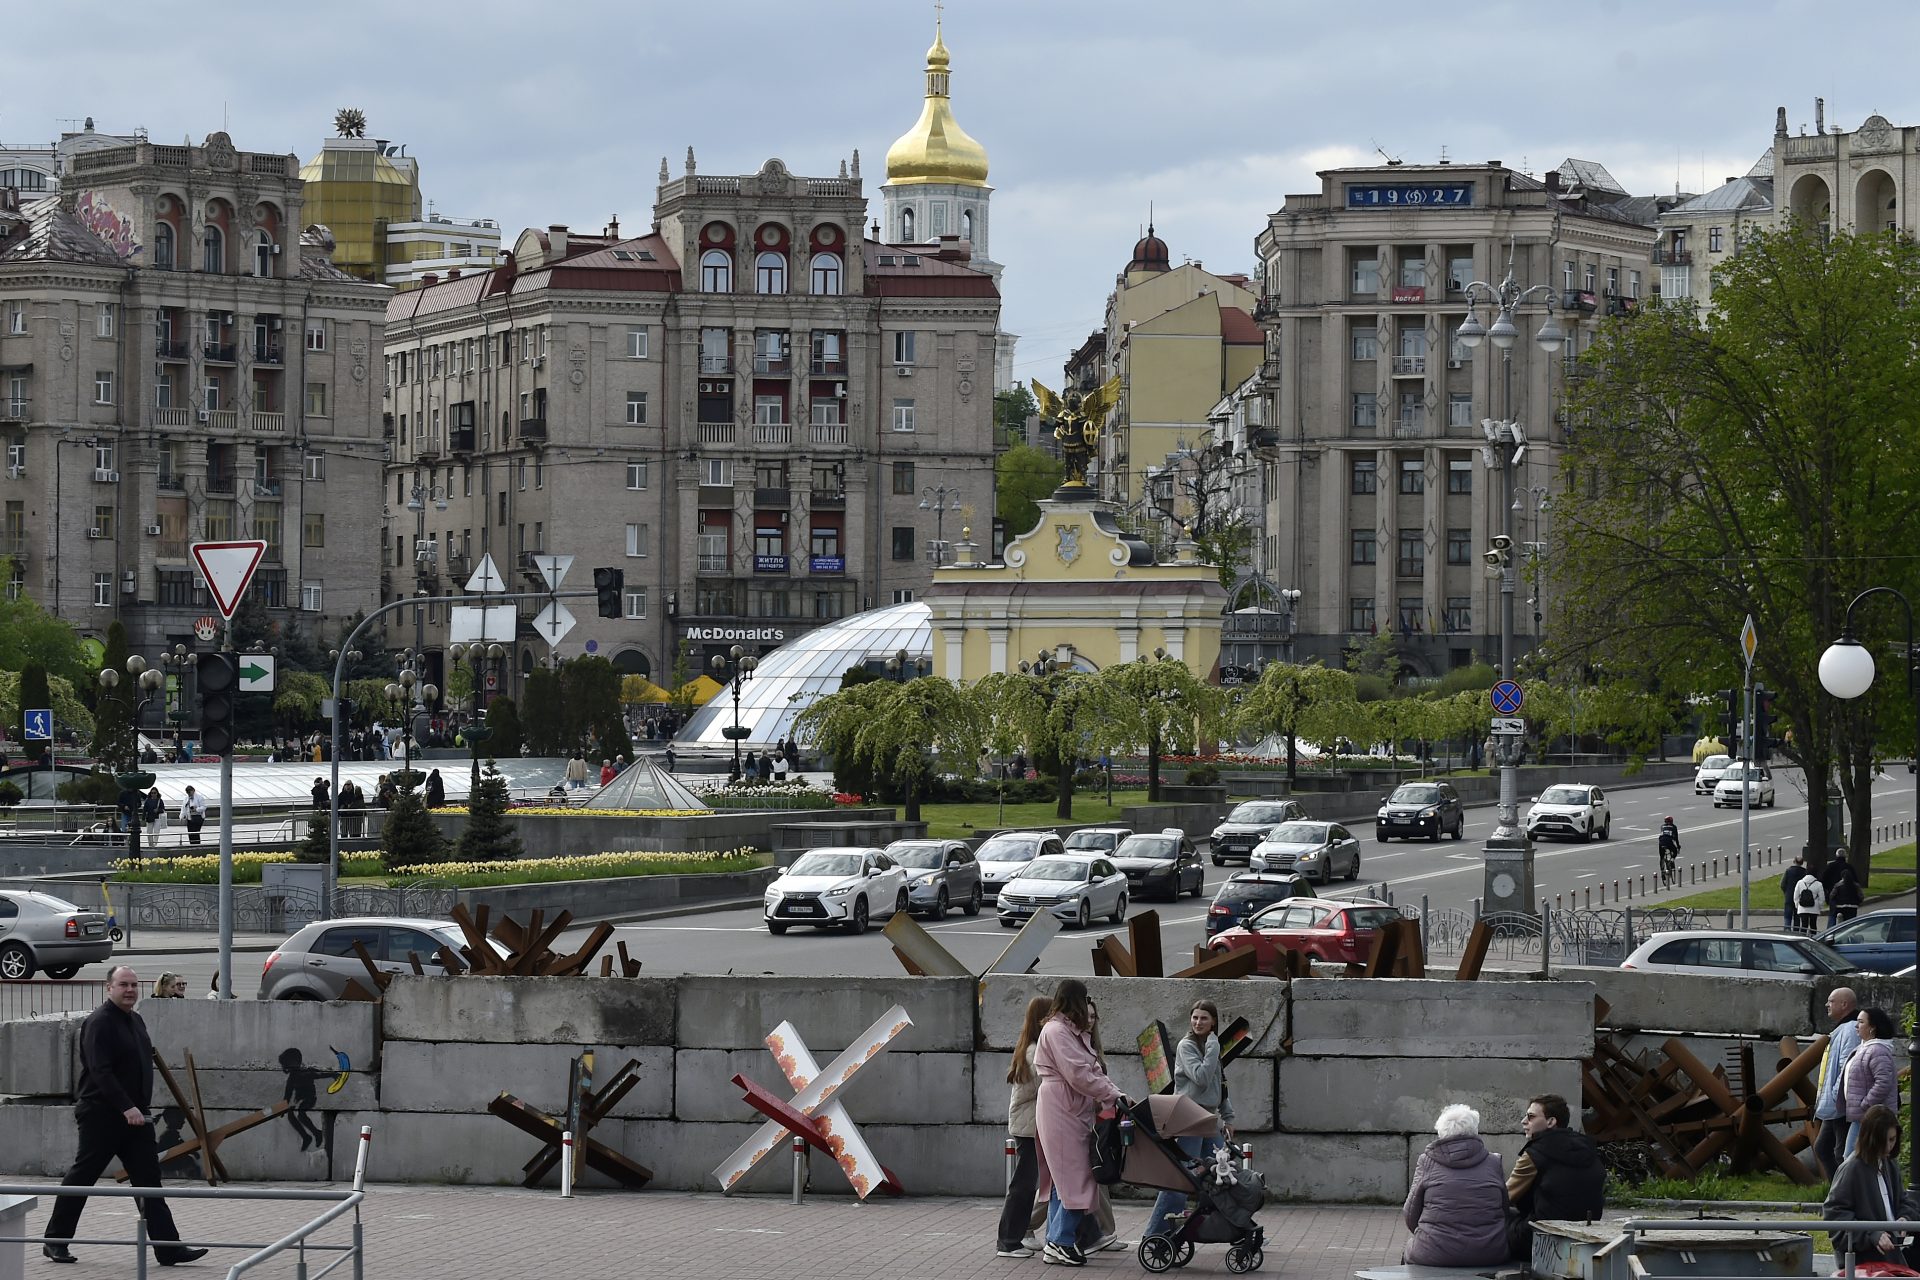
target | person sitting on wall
[{"x": 1559, "y": 1175}]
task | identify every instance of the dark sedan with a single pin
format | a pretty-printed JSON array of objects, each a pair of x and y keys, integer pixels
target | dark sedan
[
  {"x": 1880, "y": 941},
  {"x": 1244, "y": 896},
  {"x": 1421, "y": 809},
  {"x": 1164, "y": 864}
]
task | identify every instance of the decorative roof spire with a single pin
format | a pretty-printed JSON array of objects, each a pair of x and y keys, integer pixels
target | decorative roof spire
[{"x": 937, "y": 149}]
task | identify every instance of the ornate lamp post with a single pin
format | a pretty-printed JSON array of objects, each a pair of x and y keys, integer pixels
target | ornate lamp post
[
  {"x": 902, "y": 668},
  {"x": 939, "y": 499},
  {"x": 402, "y": 688},
  {"x": 478, "y": 656},
  {"x": 175, "y": 666},
  {"x": 132, "y": 778},
  {"x": 735, "y": 667}
]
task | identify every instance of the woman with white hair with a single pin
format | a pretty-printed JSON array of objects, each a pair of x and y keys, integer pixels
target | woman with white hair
[{"x": 1457, "y": 1207}]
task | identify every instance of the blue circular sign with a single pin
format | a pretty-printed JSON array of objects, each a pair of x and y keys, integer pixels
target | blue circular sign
[
  {"x": 593, "y": 646},
  {"x": 1507, "y": 697}
]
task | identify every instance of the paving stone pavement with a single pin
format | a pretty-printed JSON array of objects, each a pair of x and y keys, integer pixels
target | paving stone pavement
[{"x": 457, "y": 1233}]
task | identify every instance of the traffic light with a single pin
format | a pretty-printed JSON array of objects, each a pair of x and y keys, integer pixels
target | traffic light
[
  {"x": 608, "y": 585},
  {"x": 1730, "y": 719},
  {"x": 1763, "y": 741},
  {"x": 343, "y": 710},
  {"x": 219, "y": 678}
]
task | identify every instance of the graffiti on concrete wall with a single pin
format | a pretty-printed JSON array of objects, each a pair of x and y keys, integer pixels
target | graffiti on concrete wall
[{"x": 108, "y": 223}]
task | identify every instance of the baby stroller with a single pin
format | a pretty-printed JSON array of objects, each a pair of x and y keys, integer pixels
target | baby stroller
[{"x": 1223, "y": 1210}]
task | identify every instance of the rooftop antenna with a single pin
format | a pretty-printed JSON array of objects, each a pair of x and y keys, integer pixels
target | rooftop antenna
[{"x": 1392, "y": 160}]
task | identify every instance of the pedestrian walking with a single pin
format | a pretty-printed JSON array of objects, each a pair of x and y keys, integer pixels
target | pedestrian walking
[
  {"x": 1809, "y": 900},
  {"x": 436, "y": 790},
  {"x": 1197, "y": 1074},
  {"x": 322, "y": 794},
  {"x": 1072, "y": 1087},
  {"x": 110, "y": 1110},
  {"x": 1844, "y": 898},
  {"x": 1025, "y": 1081},
  {"x": 1868, "y": 1188},
  {"x": 1871, "y": 1078},
  {"x": 576, "y": 772},
  {"x": 153, "y": 812},
  {"x": 669, "y": 759},
  {"x": 193, "y": 812},
  {"x": 1790, "y": 881}
]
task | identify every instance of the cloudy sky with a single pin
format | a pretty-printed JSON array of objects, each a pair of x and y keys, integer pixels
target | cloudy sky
[{"x": 1213, "y": 110}]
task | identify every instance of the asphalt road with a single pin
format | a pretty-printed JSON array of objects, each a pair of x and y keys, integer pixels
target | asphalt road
[{"x": 1446, "y": 874}]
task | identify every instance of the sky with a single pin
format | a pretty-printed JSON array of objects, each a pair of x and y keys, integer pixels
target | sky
[{"x": 1211, "y": 111}]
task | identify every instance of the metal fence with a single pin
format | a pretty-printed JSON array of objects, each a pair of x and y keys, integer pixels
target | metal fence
[
  {"x": 1577, "y": 937},
  {"x": 275, "y": 908},
  {"x": 49, "y": 997}
]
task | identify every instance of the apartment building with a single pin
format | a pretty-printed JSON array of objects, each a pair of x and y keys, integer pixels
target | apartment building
[{"x": 179, "y": 362}]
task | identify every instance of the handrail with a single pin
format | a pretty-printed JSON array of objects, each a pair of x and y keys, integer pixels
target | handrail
[{"x": 298, "y": 1236}]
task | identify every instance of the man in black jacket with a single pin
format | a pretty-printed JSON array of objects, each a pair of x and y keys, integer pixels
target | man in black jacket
[
  {"x": 1558, "y": 1177},
  {"x": 110, "y": 1108}
]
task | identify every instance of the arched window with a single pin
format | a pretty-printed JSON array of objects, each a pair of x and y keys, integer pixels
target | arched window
[
  {"x": 770, "y": 273},
  {"x": 906, "y": 226},
  {"x": 263, "y": 254},
  {"x": 716, "y": 271},
  {"x": 826, "y": 273},
  {"x": 162, "y": 247},
  {"x": 213, "y": 256},
  {"x": 966, "y": 225}
]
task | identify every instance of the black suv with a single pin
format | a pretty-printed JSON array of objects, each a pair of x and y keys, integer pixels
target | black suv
[
  {"x": 1421, "y": 809},
  {"x": 1244, "y": 896}
]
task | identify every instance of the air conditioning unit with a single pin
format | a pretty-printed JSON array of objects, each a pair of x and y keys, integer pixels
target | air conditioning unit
[
  {"x": 153, "y": 531},
  {"x": 273, "y": 324},
  {"x": 96, "y": 532},
  {"x": 105, "y": 476},
  {"x": 840, "y": 391},
  {"x": 276, "y": 251},
  {"x": 202, "y": 415},
  {"x": 905, "y": 370},
  {"x": 539, "y": 362}
]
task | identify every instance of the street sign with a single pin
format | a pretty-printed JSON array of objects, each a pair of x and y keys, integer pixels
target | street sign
[
  {"x": 39, "y": 725},
  {"x": 493, "y": 681},
  {"x": 227, "y": 568},
  {"x": 1510, "y": 725},
  {"x": 486, "y": 577},
  {"x": 554, "y": 621},
  {"x": 553, "y": 569},
  {"x": 1749, "y": 640},
  {"x": 481, "y": 624},
  {"x": 1508, "y": 697},
  {"x": 256, "y": 672},
  {"x": 206, "y": 627}
]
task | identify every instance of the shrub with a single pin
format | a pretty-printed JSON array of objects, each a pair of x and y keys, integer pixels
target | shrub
[
  {"x": 9, "y": 795},
  {"x": 409, "y": 836},
  {"x": 1203, "y": 775},
  {"x": 94, "y": 788}
]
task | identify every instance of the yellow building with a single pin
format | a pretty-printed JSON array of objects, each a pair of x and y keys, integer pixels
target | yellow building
[
  {"x": 1078, "y": 587},
  {"x": 356, "y": 187}
]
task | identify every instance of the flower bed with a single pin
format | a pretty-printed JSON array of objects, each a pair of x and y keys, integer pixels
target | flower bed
[
  {"x": 205, "y": 868},
  {"x": 763, "y": 795},
  {"x": 568, "y": 811}
]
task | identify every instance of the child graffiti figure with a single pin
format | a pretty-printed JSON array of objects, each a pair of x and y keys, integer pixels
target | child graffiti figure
[{"x": 300, "y": 1096}]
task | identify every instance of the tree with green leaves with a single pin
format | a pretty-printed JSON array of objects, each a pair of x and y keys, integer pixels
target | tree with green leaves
[
  {"x": 906, "y": 731},
  {"x": 409, "y": 837},
  {"x": 680, "y": 692},
  {"x": 489, "y": 836},
  {"x": 1012, "y": 410},
  {"x": 318, "y": 846},
  {"x": 115, "y": 741},
  {"x": 543, "y": 715},
  {"x": 297, "y": 699},
  {"x": 1021, "y": 477},
  {"x": 1041, "y": 713},
  {"x": 1756, "y": 461},
  {"x": 503, "y": 717},
  {"x": 29, "y": 634},
  {"x": 1152, "y": 704},
  {"x": 590, "y": 692},
  {"x": 1287, "y": 699}
]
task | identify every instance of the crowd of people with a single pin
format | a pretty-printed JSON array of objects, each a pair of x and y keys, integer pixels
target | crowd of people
[{"x": 1834, "y": 891}]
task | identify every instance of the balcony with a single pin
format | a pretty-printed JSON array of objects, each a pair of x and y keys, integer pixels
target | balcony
[
  {"x": 218, "y": 352},
  {"x": 1620, "y": 305},
  {"x": 533, "y": 430},
  {"x": 267, "y": 489},
  {"x": 773, "y": 499},
  {"x": 713, "y": 564},
  {"x": 1270, "y": 371},
  {"x": 1410, "y": 426},
  {"x": 1665, "y": 257},
  {"x": 170, "y": 549},
  {"x": 14, "y": 543},
  {"x": 1267, "y": 308},
  {"x": 828, "y": 368},
  {"x": 827, "y": 500},
  {"x": 459, "y": 566},
  {"x": 826, "y": 565},
  {"x": 170, "y": 349},
  {"x": 773, "y": 432},
  {"x": 530, "y": 570},
  {"x": 269, "y": 420},
  {"x": 773, "y": 366},
  {"x": 1409, "y": 366},
  {"x": 220, "y": 482},
  {"x": 166, "y": 482},
  {"x": 770, "y": 564},
  {"x": 1580, "y": 300},
  {"x": 267, "y": 353},
  {"x": 714, "y": 432},
  {"x": 171, "y": 417},
  {"x": 460, "y": 440},
  {"x": 428, "y": 447},
  {"x": 827, "y": 433},
  {"x": 716, "y": 364},
  {"x": 223, "y": 419},
  {"x": 15, "y": 408}
]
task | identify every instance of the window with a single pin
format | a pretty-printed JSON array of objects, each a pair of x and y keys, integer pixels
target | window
[
  {"x": 637, "y": 343},
  {"x": 316, "y": 335},
  {"x": 826, "y": 273},
  {"x": 636, "y": 602},
  {"x": 903, "y": 539},
  {"x": 1360, "y": 613},
  {"x": 16, "y": 317},
  {"x": 903, "y": 478},
  {"x": 1592, "y": 277},
  {"x": 770, "y": 474},
  {"x": 1366, "y": 342},
  {"x": 311, "y": 595},
  {"x": 1412, "y": 560},
  {"x": 1457, "y": 352},
  {"x": 103, "y": 522},
  {"x": 162, "y": 247},
  {"x": 1567, "y": 270},
  {"x": 906, "y": 236},
  {"x": 263, "y": 249},
  {"x": 1413, "y": 476},
  {"x": 1459, "y": 614},
  {"x": 636, "y": 473},
  {"x": 1459, "y": 273},
  {"x": 520, "y": 475},
  {"x": 313, "y": 529},
  {"x": 772, "y": 350},
  {"x": 105, "y": 456},
  {"x": 1459, "y": 410},
  {"x": 1714, "y": 242},
  {"x": 103, "y": 386},
  {"x": 317, "y": 399},
  {"x": 1366, "y": 275},
  {"x": 17, "y": 453},
  {"x": 103, "y": 590},
  {"x": 903, "y": 346},
  {"x": 1363, "y": 547},
  {"x": 1366, "y": 409},
  {"x": 1676, "y": 282},
  {"x": 1459, "y": 546},
  {"x": 1412, "y": 614},
  {"x": 1633, "y": 284},
  {"x": 213, "y": 257},
  {"x": 103, "y": 319},
  {"x": 1459, "y": 475},
  {"x": 903, "y": 415},
  {"x": 636, "y": 408},
  {"x": 1413, "y": 271},
  {"x": 637, "y": 541},
  {"x": 770, "y": 273},
  {"x": 314, "y": 466},
  {"x": 1613, "y": 280},
  {"x": 716, "y": 471},
  {"x": 824, "y": 540},
  {"x": 769, "y": 535},
  {"x": 1366, "y": 475},
  {"x": 716, "y": 271},
  {"x": 769, "y": 411}
]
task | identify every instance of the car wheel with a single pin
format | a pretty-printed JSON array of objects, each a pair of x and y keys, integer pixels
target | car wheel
[
  {"x": 1086, "y": 914},
  {"x": 775, "y": 928},
  {"x": 1460, "y": 828},
  {"x": 16, "y": 962},
  {"x": 1384, "y": 837},
  {"x": 900, "y": 903},
  {"x": 1199, "y": 884},
  {"x": 1435, "y": 837},
  {"x": 973, "y": 903},
  {"x": 1353, "y": 872},
  {"x": 64, "y": 972},
  {"x": 940, "y": 905},
  {"x": 1119, "y": 909},
  {"x": 857, "y": 923},
  {"x": 1219, "y": 861},
  {"x": 1606, "y": 828}
]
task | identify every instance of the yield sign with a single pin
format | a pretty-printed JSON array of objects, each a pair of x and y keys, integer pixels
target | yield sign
[
  {"x": 228, "y": 568},
  {"x": 486, "y": 578},
  {"x": 553, "y": 569},
  {"x": 553, "y": 622}
]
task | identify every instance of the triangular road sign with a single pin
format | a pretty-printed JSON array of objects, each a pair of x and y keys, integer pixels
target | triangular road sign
[
  {"x": 228, "y": 568},
  {"x": 487, "y": 577},
  {"x": 553, "y": 569}
]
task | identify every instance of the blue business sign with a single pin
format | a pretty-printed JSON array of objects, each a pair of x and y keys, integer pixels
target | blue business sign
[
  {"x": 827, "y": 564},
  {"x": 769, "y": 564},
  {"x": 1409, "y": 195}
]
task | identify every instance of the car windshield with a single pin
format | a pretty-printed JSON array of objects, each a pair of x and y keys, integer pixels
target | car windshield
[
  {"x": 1254, "y": 812},
  {"x": 1415, "y": 795},
  {"x": 1007, "y": 849},
  {"x": 1056, "y": 869},
  {"x": 1736, "y": 772},
  {"x": 1299, "y": 833},
  {"x": 1716, "y": 762},
  {"x": 921, "y": 857},
  {"x": 1828, "y": 958},
  {"x": 1161, "y": 847},
  {"x": 1564, "y": 795},
  {"x": 1092, "y": 840},
  {"x": 826, "y": 864}
]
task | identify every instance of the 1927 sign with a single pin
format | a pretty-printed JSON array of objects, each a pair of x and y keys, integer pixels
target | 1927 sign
[{"x": 1409, "y": 195}]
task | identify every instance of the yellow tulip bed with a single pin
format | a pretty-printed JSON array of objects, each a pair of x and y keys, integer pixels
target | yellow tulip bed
[{"x": 205, "y": 868}]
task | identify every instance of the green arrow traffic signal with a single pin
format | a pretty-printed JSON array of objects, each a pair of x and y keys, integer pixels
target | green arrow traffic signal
[{"x": 252, "y": 671}]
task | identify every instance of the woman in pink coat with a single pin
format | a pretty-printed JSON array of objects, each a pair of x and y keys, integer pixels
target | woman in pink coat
[{"x": 1072, "y": 1087}]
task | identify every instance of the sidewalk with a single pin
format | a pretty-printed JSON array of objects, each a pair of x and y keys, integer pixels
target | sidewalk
[{"x": 457, "y": 1233}]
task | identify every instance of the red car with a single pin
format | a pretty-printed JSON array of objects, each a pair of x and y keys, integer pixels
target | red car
[{"x": 1333, "y": 929}]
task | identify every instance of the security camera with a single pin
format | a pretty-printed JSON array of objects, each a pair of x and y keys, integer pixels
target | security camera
[{"x": 1502, "y": 542}]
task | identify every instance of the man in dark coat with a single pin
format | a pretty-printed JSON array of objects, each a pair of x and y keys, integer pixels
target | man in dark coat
[
  {"x": 1789, "y": 881},
  {"x": 1559, "y": 1175},
  {"x": 110, "y": 1108}
]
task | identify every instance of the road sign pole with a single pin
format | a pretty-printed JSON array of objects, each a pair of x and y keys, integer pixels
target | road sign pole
[
  {"x": 226, "y": 862},
  {"x": 1749, "y": 643}
]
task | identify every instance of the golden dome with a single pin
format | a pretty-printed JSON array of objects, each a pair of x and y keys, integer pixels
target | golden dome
[{"x": 937, "y": 149}]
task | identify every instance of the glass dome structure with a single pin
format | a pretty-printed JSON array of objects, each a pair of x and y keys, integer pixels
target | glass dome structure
[{"x": 792, "y": 676}]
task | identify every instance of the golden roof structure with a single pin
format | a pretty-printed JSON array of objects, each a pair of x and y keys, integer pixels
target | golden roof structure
[{"x": 937, "y": 149}]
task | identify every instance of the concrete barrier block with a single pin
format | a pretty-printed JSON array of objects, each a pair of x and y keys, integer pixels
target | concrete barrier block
[
  {"x": 1128, "y": 1005},
  {"x": 244, "y": 1091},
  {"x": 1424, "y": 1018},
  {"x": 40, "y": 1056},
  {"x": 418, "y": 1076},
  {"x": 37, "y": 1138},
  {"x": 276, "y": 1151},
  {"x": 897, "y": 1088},
  {"x": 1250, "y": 1085},
  {"x": 569, "y": 1011},
  {"x": 1348, "y": 1168},
  {"x": 252, "y": 1035},
  {"x": 738, "y": 1012},
  {"x": 1405, "y": 1095},
  {"x": 1705, "y": 1003}
]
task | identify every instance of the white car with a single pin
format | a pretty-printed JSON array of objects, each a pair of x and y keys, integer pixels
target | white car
[
  {"x": 1075, "y": 887},
  {"x": 1755, "y": 779},
  {"x": 1708, "y": 774},
  {"x": 1733, "y": 954},
  {"x": 846, "y": 887},
  {"x": 1570, "y": 811},
  {"x": 1006, "y": 855}
]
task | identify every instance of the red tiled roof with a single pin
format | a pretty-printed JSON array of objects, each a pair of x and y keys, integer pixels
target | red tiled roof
[
  {"x": 1238, "y": 329},
  {"x": 889, "y": 274},
  {"x": 595, "y": 270}
]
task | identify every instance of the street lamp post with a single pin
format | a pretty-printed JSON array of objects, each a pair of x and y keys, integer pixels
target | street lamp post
[
  {"x": 426, "y": 562},
  {"x": 1846, "y": 672},
  {"x": 1290, "y": 597},
  {"x": 735, "y": 666},
  {"x": 1509, "y": 851},
  {"x": 148, "y": 681},
  {"x": 478, "y": 657},
  {"x": 404, "y": 686},
  {"x": 176, "y": 665},
  {"x": 940, "y": 499}
]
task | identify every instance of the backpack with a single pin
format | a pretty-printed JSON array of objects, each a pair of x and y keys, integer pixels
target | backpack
[
  {"x": 1107, "y": 1147},
  {"x": 1804, "y": 899}
]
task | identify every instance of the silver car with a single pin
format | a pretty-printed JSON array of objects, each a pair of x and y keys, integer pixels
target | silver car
[
  {"x": 1074, "y": 887},
  {"x": 318, "y": 962},
  {"x": 941, "y": 874},
  {"x": 1320, "y": 851},
  {"x": 39, "y": 931}
]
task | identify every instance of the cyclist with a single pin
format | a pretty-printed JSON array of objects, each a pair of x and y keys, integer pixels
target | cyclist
[{"x": 1669, "y": 852}]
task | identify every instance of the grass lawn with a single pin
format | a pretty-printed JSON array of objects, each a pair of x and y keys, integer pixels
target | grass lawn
[
  {"x": 959, "y": 821},
  {"x": 1717, "y": 1184},
  {"x": 1766, "y": 885}
]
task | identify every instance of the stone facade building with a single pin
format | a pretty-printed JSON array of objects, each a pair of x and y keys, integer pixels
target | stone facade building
[{"x": 178, "y": 363}]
